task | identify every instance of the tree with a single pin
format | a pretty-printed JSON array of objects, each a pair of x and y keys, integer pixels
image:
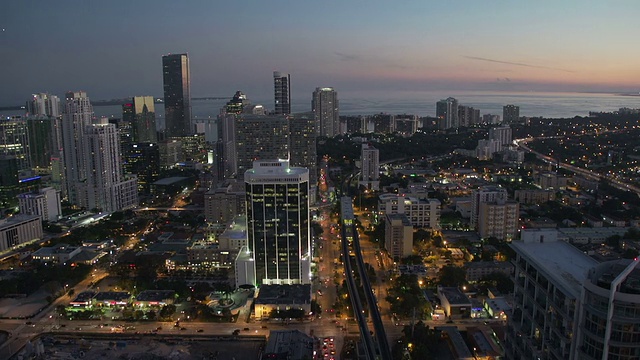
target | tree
[
  {"x": 138, "y": 314},
  {"x": 167, "y": 311},
  {"x": 412, "y": 260},
  {"x": 452, "y": 276}
]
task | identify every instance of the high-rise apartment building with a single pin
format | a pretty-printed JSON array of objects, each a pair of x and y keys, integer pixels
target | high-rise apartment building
[
  {"x": 511, "y": 114},
  {"x": 447, "y": 113},
  {"x": 501, "y": 134},
  {"x": 398, "y": 238},
  {"x": 44, "y": 104},
  {"x": 105, "y": 187},
  {"x": 370, "y": 174},
  {"x": 93, "y": 167},
  {"x": 177, "y": 95},
  {"x": 486, "y": 194},
  {"x": 405, "y": 124},
  {"x": 278, "y": 231},
  {"x": 76, "y": 117},
  {"x": 260, "y": 137},
  {"x": 548, "y": 280},
  {"x": 14, "y": 140},
  {"x": 144, "y": 120},
  {"x": 324, "y": 105},
  {"x": 498, "y": 219},
  {"x": 41, "y": 141},
  {"x": 282, "y": 93}
]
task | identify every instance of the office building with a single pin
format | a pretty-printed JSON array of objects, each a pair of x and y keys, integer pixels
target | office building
[
  {"x": 370, "y": 174},
  {"x": 19, "y": 229},
  {"x": 278, "y": 231},
  {"x": 170, "y": 153},
  {"x": 40, "y": 134},
  {"x": 177, "y": 95},
  {"x": 44, "y": 203},
  {"x": 511, "y": 114},
  {"x": 144, "y": 120},
  {"x": 398, "y": 240},
  {"x": 282, "y": 93},
  {"x": 259, "y": 137},
  {"x": 14, "y": 141},
  {"x": 486, "y": 194},
  {"x": 324, "y": 105},
  {"x": 303, "y": 147},
  {"x": 143, "y": 160},
  {"x": 44, "y": 105},
  {"x": 9, "y": 181},
  {"x": 422, "y": 213},
  {"x": 447, "y": 113}
]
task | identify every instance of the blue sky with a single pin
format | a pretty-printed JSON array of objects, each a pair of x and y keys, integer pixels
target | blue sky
[{"x": 114, "y": 48}]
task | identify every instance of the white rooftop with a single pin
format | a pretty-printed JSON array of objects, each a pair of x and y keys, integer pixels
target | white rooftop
[{"x": 561, "y": 263}]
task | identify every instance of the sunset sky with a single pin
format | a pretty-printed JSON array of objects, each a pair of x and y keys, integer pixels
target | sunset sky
[{"x": 113, "y": 48}]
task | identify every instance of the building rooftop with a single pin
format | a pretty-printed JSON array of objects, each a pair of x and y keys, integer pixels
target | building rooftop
[
  {"x": 58, "y": 249},
  {"x": 454, "y": 295},
  {"x": 606, "y": 273},
  {"x": 16, "y": 219},
  {"x": 562, "y": 262},
  {"x": 401, "y": 217},
  {"x": 112, "y": 295},
  {"x": 284, "y": 294},
  {"x": 155, "y": 295},
  {"x": 84, "y": 296}
]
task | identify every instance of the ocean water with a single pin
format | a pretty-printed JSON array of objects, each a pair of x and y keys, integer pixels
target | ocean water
[{"x": 423, "y": 103}]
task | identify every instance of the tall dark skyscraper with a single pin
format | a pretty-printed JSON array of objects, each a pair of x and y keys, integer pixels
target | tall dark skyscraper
[
  {"x": 177, "y": 95},
  {"x": 282, "y": 93}
]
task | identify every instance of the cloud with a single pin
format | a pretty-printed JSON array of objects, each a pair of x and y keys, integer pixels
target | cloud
[
  {"x": 516, "y": 63},
  {"x": 347, "y": 57}
]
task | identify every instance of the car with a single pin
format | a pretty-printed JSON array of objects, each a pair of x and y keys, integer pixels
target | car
[
  {"x": 264, "y": 327},
  {"x": 199, "y": 330},
  {"x": 246, "y": 329},
  {"x": 183, "y": 328}
]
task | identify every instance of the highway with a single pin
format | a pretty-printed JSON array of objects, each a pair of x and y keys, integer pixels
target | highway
[{"x": 589, "y": 174}]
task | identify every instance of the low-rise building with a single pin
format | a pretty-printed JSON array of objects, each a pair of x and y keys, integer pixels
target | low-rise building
[
  {"x": 155, "y": 298},
  {"x": 58, "y": 254},
  {"x": 112, "y": 298},
  {"x": 477, "y": 270},
  {"x": 221, "y": 205},
  {"x": 83, "y": 299},
  {"x": 534, "y": 196},
  {"x": 454, "y": 302},
  {"x": 207, "y": 255},
  {"x": 234, "y": 236},
  {"x": 19, "y": 229},
  {"x": 423, "y": 213},
  {"x": 282, "y": 297},
  {"x": 497, "y": 308},
  {"x": 590, "y": 235}
]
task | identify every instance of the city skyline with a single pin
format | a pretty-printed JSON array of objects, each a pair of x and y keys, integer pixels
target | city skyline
[{"x": 421, "y": 46}]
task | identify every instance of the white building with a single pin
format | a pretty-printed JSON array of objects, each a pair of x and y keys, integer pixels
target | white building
[
  {"x": 44, "y": 203},
  {"x": 44, "y": 104},
  {"x": 19, "y": 229},
  {"x": 498, "y": 219},
  {"x": 278, "y": 222},
  {"x": 420, "y": 212},
  {"x": 487, "y": 194},
  {"x": 501, "y": 134},
  {"x": 370, "y": 174}
]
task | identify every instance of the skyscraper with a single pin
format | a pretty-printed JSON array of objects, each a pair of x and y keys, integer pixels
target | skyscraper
[
  {"x": 324, "y": 105},
  {"x": 278, "y": 231},
  {"x": 259, "y": 137},
  {"x": 282, "y": 93},
  {"x": 511, "y": 114},
  {"x": 44, "y": 104},
  {"x": 303, "y": 147},
  {"x": 93, "y": 173},
  {"x": 76, "y": 117},
  {"x": 144, "y": 120},
  {"x": 447, "y": 113},
  {"x": 177, "y": 95},
  {"x": 14, "y": 140}
]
